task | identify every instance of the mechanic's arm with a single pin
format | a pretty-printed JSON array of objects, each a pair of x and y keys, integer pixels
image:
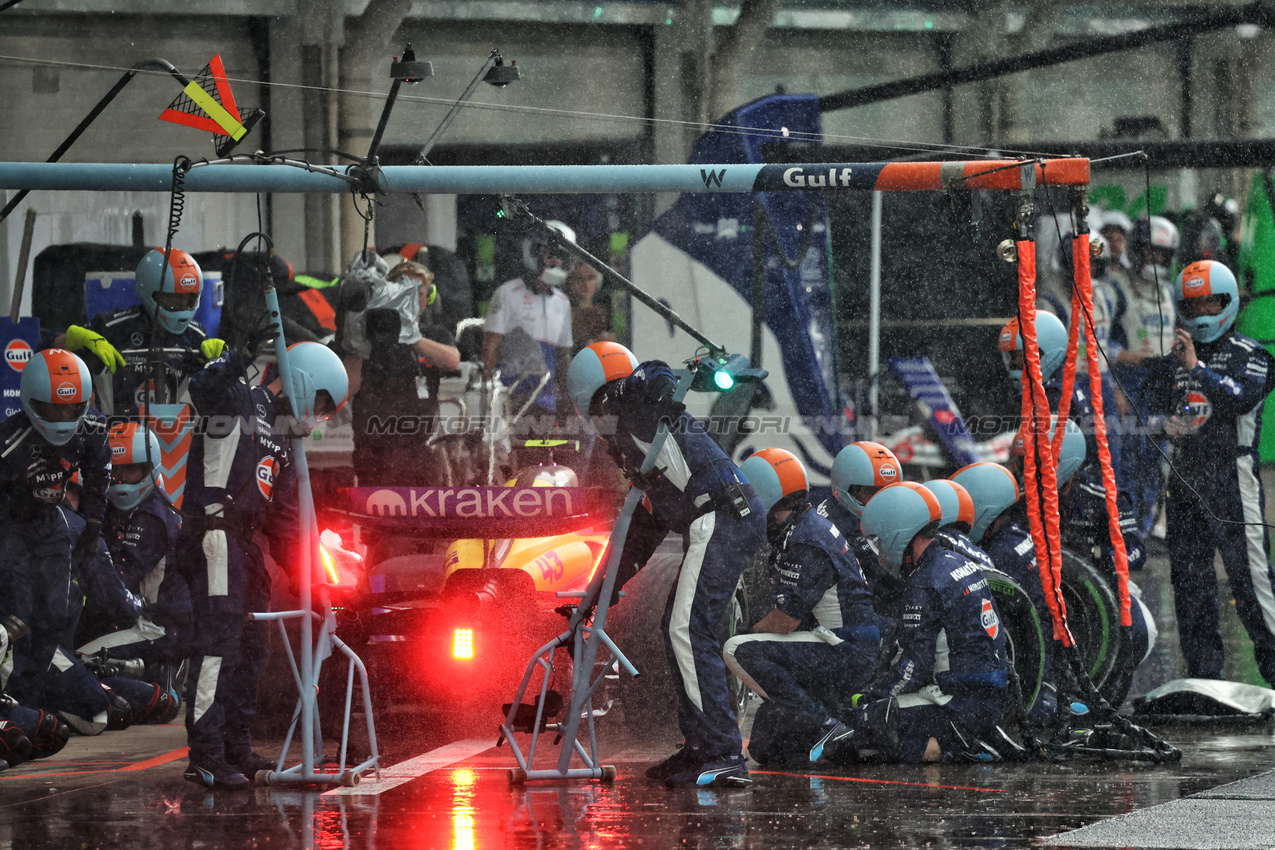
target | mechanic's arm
[
  {"x": 145, "y": 544},
  {"x": 354, "y": 369},
  {"x": 1235, "y": 394},
  {"x": 95, "y": 469},
  {"x": 104, "y": 585},
  {"x": 918, "y": 635},
  {"x": 440, "y": 356},
  {"x": 491, "y": 345},
  {"x": 644, "y": 537},
  {"x": 802, "y": 575}
]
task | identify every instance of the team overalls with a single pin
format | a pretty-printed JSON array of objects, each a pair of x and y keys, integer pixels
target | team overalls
[
  {"x": 36, "y": 542},
  {"x": 240, "y": 479},
  {"x": 810, "y": 673},
  {"x": 1221, "y": 399},
  {"x": 691, "y": 494},
  {"x": 130, "y": 331},
  {"x": 142, "y": 544},
  {"x": 886, "y": 588},
  {"x": 951, "y": 670}
]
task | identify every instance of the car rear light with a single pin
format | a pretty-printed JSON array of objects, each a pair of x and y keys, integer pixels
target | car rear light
[
  {"x": 463, "y": 643},
  {"x": 329, "y": 566}
]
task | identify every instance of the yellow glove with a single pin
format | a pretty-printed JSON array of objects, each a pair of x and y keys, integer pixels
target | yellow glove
[
  {"x": 212, "y": 349},
  {"x": 78, "y": 337}
]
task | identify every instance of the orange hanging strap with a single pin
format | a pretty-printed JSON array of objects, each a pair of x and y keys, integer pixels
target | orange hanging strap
[
  {"x": 1069, "y": 376},
  {"x": 1040, "y": 479},
  {"x": 1084, "y": 288}
]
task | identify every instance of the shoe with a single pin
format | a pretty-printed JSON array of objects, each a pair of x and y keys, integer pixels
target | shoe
[
  {"x": 721, "y": 770},
  {"x": 681, "y": 760},
  {"x": 215, "y": 774},
  {"x": 251, "y": 765},
  {"x": 833, "y": 734}
]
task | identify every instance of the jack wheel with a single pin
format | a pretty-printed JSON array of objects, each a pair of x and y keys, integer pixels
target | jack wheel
[
  {"x": 608, "y": 773},
  {"x": 517, "y": 776},
  {"x": 262, "y": 777},
  {"x": 350, "y": 778}
]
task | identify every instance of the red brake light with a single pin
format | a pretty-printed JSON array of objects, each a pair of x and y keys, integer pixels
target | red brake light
[
  {"x": 329, "y": 565},
  {"x": 463, "y": 643}
]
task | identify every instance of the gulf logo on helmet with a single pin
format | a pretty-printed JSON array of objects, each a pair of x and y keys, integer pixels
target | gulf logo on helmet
[
  {"x": 266, "y": 471},
  {"x": 991, "y": 623},
  {"x": 614, "y": 359},
  {"x": 67, "y": 391},
  {"x": 886, "y": 471},
  {"x": 1195, "y": 281},
  {"x": 16, "y": 354},
  {"x": 117, "y": 451},
  {"x": 188, "y": 283}
]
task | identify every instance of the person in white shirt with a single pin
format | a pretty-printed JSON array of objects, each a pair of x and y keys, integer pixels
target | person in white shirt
[{"x": 527, "y": 334}]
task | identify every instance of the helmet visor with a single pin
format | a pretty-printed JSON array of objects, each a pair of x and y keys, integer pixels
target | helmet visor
[{"x": 67, "y": 412}]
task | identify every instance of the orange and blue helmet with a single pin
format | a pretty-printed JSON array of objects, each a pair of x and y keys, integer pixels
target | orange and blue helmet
[
  {"x": 593, "y": 368},
  {"x": 132, "y": 443},
  {"x": 779, "y": 478},
  {"x": 55, "y": 391}
]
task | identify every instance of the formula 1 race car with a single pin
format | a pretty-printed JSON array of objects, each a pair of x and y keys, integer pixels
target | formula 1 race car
[{"x": 457, "y": 593}]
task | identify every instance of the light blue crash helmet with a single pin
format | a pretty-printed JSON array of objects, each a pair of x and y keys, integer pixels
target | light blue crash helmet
[
  {"x": 181, "y": 277},
  {"x": 132, "y": 443},
  {"x": 55, "y": 389},
  {"x": 1072, "y": 455},
  {"x": 316, "y": 369},
  {"x": 778, "y": 476},
  {"x": 1202, "y": 279},
  {"x": 1051, "y": 339},
  {"x": 992, "y": 488},
  {"x": 593, "y": 368},
  {"x": 863, "y": 464},
  {"x": 894, "y": 516}
]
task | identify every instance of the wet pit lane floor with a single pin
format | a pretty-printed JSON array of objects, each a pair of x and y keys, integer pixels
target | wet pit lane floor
[{"x": 455, "y": 794}]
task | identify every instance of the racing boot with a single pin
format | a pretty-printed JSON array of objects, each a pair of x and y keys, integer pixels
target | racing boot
[
  {"x": 716, "y": 770},
  {"x": 874, "y": 733},
  {"x": 120, "y": 714},
  {"x": 51, "y": 734},
  {"x": 215, "y": 774},
  {"x": 684, "y": 758},
  {"x": 833, "y": 737},
  {"x": 969, "y": 749}
]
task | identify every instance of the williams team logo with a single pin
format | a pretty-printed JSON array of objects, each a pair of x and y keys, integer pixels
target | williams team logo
[
  {"x": 266, "y": 471},
  {"x": 16, "y": 354},
  {"x": 991, "y": 623}
]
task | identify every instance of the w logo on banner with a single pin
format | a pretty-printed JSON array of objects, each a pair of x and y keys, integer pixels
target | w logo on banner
[{"x": 712, "y": 178}]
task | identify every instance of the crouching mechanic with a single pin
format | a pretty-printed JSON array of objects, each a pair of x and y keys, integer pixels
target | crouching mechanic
[
  {"x": 819, "y": 643},
  {"x": 944, "y": 694},
  {"x": 122, "y": 339},
  {"x": 1213, "y": 386},
  {"x": 858, "y": 472},
  {"x": 41, "y": 447},
  {"x": 695, "y": 490},
  {"x": 141, "y": 531},
  {"x": 241, "y": 480}
]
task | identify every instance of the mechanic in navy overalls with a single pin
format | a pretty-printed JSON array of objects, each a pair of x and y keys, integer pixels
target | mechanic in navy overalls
[
  {"x": 995, "y": 494},
  {"x": 858, "y": 472},
  {"x": 41, "y": 447},
  {"x": 1051, "y": 338},
  {"x": 1213, "y": 387},
  {"x": 141, "y": 531},
  {"x": 958, "y": 518},
  {"x": 695, "y": 490},
  {"x": 241, "y": 480},
  {"x": 944, "y": 694},
  {"x": 121, "y": 339},
  {"x": 818, "y": 645}
]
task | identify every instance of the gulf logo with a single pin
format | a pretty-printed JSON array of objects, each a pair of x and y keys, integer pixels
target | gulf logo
[
  {"x": 887, "y": 473},
  {"x": 991, "y": 623},
  {"x": 117, "y": 451},
  {"x": 1197, "y": 410},
  {"x": 17, "y": 353},
  {"x": 1195, "y": 286},
  {"x": 266, "y": 471},
  {"x": 67, "y": 391},
  {"x": 188, "y": 283}
]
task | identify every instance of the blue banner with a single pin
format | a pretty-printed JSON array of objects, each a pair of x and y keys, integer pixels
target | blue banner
[
  {"x": 18, "y": 342},
  {"x": 936, "y": 405}
]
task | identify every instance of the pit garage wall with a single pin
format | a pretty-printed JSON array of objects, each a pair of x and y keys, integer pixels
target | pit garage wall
[{"x": 586, "y": 68}]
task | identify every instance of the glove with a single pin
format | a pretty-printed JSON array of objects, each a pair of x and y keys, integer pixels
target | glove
[
  {"x": 858, "y": 700},
  {"x": 78, "y": 337},
  {"x": 86, "y": 545},
  {"x": 212, "y": 349}
]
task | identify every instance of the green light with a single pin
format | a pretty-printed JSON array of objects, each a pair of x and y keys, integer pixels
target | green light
[
  {"x": 500, "y": 213},
  {"x": 597, "y": 12},
  {"x": 723, "y": 380}
]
